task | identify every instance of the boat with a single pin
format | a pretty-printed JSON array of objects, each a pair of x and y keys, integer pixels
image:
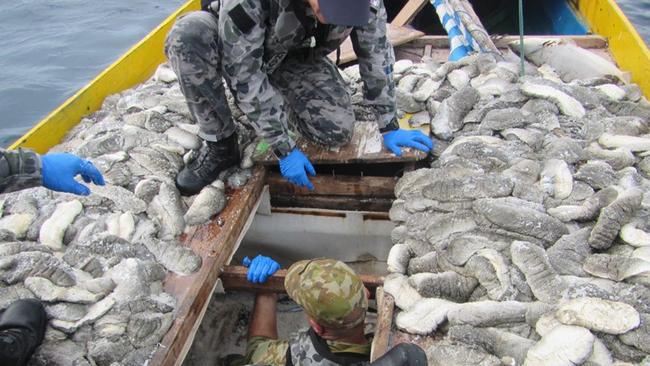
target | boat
[{"x": 598, "y": 25}]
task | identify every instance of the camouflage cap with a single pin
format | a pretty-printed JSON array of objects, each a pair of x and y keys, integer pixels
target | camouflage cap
[{"x": 329, "y": 291}]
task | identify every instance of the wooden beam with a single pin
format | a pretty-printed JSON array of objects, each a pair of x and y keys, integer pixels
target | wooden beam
[
  {"x": 341, "y": 185},
  {"x": 396, "y": 36},
  {"x": 215, "y": 242},
  {"x": 590, "y": 41},
  {"x": 334, "y": 203},
  {"x": 233, "y": 278},
  {"x": 440, "y": 46},
  {"x": 408, "y": 12},
  {"x": 381, "y": 340}
]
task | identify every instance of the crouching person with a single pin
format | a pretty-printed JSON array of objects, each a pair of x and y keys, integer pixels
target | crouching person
[{"x": 335, "y": 301}]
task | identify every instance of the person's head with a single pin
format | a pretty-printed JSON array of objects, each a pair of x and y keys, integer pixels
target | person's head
[
  {"x": 331, "y": 294},
  {"x": 341, "y": 12}
]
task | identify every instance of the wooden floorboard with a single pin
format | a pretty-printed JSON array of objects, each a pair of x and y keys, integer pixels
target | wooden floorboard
[
  {"x": 215, "y": 242},
  {"x": 365, "y": 147}
]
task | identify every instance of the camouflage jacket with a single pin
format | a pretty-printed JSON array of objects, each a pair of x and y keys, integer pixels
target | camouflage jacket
[
  {"x": 308, "y": 349},
  {"x": 256, "y": 36},
  {"x": 19, "y": 170}
]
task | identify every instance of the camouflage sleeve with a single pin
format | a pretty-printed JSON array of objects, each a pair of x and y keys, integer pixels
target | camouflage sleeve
[
  {"x": 19, "y": 170},
  {"x": 242, "y": 32},
  {"x": 376, "y": 59},
  {"x": 266, "y": 351}
]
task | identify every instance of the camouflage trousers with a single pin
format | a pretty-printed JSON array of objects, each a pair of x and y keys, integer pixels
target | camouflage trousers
[{"x": 313, "y": 90}]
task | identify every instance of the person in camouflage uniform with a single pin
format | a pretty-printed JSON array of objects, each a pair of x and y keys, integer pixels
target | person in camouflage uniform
[
  {"x": 335, "y": 301},
  {"x": 273, "y": 57},
  {"x": 23, "y": 323},
  {"x": 22, "y": 169}
]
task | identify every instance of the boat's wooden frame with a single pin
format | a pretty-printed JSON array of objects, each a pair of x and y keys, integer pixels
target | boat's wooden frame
[{"x": 217, "y": 241}]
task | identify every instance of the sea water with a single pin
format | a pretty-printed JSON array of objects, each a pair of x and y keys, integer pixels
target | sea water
[{"x": 50, "y": 49}]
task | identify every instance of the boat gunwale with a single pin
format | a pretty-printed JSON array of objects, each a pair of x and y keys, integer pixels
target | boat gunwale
[{"x": 134, "y": 67}]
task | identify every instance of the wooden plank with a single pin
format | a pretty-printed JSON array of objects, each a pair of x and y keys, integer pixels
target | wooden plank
[
  {"x": 334, "y": 203},
  {"x": 215, "y": 242},
  {"x": 408, "y": 12},
  {"x": 340, "y": 185},
  {"x": 396, "y": 36},
  {"x": 590, "y": 41},
  {"x": 366, "y": 146},
  {"x": 233, "y": 278},
  {"x": 381, "y": 340},
  {"x": 134, "y": 67},
  {"x": 440, "y": 46}
]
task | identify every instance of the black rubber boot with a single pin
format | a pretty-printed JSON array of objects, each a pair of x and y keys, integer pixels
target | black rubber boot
[
  {"x": 404, "y": 354},
  {"x": 22, "y": 328},
  {"x": 214, "y": 157}
]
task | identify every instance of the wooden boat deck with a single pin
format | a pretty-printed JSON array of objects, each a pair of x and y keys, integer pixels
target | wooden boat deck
[
  {"x": 215, "y": 242},
  {"x": 365, "y": 147}
]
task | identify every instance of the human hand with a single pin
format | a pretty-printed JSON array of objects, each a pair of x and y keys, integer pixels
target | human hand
[
  {"x": 407, "y": 138},
  {"x": 295, "y": 166},
  {"x": 260, "y": 268},
  {"x": 59, "y": 170}
]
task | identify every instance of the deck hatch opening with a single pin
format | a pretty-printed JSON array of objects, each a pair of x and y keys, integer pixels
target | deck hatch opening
[{"x": 361, "y": 239}]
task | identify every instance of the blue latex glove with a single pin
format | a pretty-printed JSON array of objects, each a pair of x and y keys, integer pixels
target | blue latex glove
[
  {"x": 295, "y": 166},
  {"x": 60, "y": 169},
  {"x": 407, "y": 138},
  {"x": 260, "y": 268}
]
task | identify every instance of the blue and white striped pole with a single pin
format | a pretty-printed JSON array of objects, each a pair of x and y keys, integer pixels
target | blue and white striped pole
[{"x": 460, "y": 43}]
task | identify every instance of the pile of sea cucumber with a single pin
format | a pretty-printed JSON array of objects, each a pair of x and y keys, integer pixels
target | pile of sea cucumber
[
  {"x": 98, "y": 262},
  {"x": 527, "y": 242}
]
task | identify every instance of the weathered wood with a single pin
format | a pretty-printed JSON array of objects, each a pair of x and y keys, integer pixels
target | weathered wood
[
  {"x": 408, "y": 12},
  {"x": 440, "y": 46},
  {"x": 215, "y": 242},
  {"x": 340, "y": 185},
  {"x": 233, "y": 278},
  {"x": 589, "y": 41},
  {"x": 334, "y": 203},
  {"x": 381, "y": 340},
  {"x": 366, "y": 146},
  {"x": 396, "y": 36}
]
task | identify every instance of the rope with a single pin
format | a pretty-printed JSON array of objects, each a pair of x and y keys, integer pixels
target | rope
[
  {"x": 466, "y": 32},
  {"x": 521, "y": 36},
  {"x": 458, "y": 45}
]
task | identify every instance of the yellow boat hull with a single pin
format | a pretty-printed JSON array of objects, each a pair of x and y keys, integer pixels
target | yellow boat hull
[
  {"x": 605, "y": 18},
  {"x": 134, "y": 67}
]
